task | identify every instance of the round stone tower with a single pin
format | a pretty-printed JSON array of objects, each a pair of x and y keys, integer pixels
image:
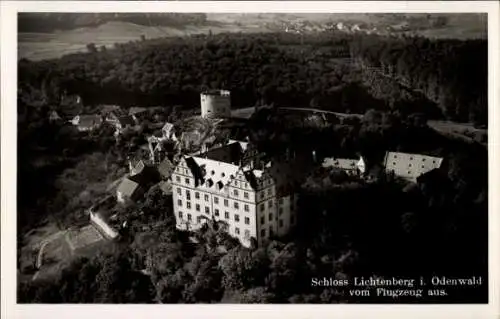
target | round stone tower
[{"x": 215, "y": 103}]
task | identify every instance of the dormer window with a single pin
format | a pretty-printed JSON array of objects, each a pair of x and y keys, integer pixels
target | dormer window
[{"x": 222, "y": 174}]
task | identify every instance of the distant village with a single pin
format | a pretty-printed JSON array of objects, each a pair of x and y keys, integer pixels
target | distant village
[
  {"x": 347, "y": 27},
  {"x": 249, "y": 194}
]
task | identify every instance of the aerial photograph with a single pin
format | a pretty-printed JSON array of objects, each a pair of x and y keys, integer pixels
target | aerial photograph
[{"x": 252, "y": 158}]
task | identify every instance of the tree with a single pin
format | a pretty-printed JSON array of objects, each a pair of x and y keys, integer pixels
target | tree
[{"x": 91, "y": 47}]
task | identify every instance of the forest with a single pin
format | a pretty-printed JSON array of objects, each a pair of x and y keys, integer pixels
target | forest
[{"x": 339, "y": 72}]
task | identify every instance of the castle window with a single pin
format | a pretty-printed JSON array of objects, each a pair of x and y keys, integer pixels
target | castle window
[
  {"x": 198, "y": 219},
  {"x": 178, "y": 179},
  {"x": 434, "y": 161},
  {"x": 212, "y": 172},
  {"x": 247, "y": 220},
  {"x": 247, "y": 233},
  {"x": 188, "y": 195},
  {"x": 235, "y": 192},
  {"x": 189, "y": 217},
  {"x": 263, "y": 233},
  {"x": 409, "y": 165},
  {"x": 216, "y": 199},
  {"x": 188, "y": 205},
  {"x": 411, "y": 158},
  {"x": 197, "y": 207},
  {"x": 262, "y": 207},
  {"x": 207, "y": 210},
  {"x": 393, "y": 163},
  {"x": 187, "y": 181},
  {"x": 270, "y": 203},
  {"x": 409, "y": 172},
  {"x": 245, "y": 195},
  {"x": 206, "y": 198},
  {"x": 179, "y": 202},
  {"x": 222, "y": 174},
  {"x": 246, "y": 208},
  {"x": 262, "y": 221},
  {"x": 226, "y": 203},
  {"x": 179, "y": 190},
  {"x": 281, "y": 201},
  {"x": 395, "y": 156},
  {"x": 237, "y": 230},
  {"x": 270, "y": 216},
  {"x": 281, "y": 222},
  {"x": 216, "y": 212},
  {"x": 280, "y": 211},
  {"x": 236, "y": 217},
  {"x": 197, "y": 195},
  {"x": 180, "y": 214},
  {"x": 236, "y": 205},
  {"x": 271, "y": 232},
  {"x": 226, "y": 215},
  {"x": 423, "y": 159},
  {"x": 423, "y": 166}
]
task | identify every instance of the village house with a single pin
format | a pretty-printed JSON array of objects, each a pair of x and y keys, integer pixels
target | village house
[
  {"x": 169, "y": 132},
  {"x": 350, "y": 166},
  {"x": 54, "y": 116},
  {"x": 140, "y": 180},
  {"x": 121, "y": 123},
  {"x": 138, "y": 113},
  {"x": 85, "y": 123}
]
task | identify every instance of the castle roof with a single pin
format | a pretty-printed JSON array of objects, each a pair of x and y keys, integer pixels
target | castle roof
[{"x": 410, "y": 166}]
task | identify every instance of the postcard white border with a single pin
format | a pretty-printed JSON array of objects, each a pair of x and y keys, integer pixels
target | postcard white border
[{"x": 10, "y": 309}]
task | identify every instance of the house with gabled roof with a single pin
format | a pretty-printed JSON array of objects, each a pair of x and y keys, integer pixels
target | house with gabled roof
[
  {"x": 85, "y": 123},
  {"x": 169, "y": 132},
  {"x": 128, "y": 190},
  {"x": 349, "y": 165},
  {"x": 142, "y": 177}
]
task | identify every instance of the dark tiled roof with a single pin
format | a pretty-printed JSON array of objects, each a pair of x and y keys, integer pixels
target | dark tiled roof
[
  {"x": 231, "y": 153},
  {"x": 126, "y": 120},
  {"x": 147, "y": 177},
  {"x": 136, "y": 110},
  {"x": 89, "y": 120}
]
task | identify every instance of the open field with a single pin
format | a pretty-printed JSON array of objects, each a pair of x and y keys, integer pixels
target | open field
[{"x": 40, "y": 46}]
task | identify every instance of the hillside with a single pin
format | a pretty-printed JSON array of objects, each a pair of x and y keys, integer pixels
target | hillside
[{"x": 53, "y": 21}]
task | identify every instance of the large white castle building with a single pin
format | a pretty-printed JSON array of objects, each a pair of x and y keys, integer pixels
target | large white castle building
[{"x": 234, "y": 187}]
